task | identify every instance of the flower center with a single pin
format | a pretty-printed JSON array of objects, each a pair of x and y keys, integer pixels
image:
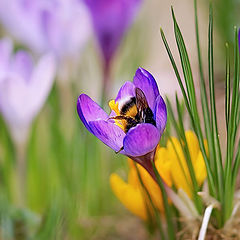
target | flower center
[{"x": 131, "y": 113}]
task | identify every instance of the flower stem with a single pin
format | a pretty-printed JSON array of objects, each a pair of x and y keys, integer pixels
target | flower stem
[
  {"x": 21, "y": 173},
  {"x": 106, "y": 83}
]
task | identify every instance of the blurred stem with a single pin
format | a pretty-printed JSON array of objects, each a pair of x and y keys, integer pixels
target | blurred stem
[
  {"x": 67, "y": 101},
  {"x": 21, "y": 172},
  {"x": 106, "y": 83}
]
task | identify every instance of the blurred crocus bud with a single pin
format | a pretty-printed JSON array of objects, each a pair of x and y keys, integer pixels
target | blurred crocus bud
[
  {"x": 111, "y": 18},
  {"x": 48, "y": 25},
  {"x": 24, "y": 87}
]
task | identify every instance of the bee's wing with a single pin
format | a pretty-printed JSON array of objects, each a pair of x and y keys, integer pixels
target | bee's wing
[{"x": 141, "y": 100}]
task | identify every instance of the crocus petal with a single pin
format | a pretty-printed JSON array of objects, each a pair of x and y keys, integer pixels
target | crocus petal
[
  {"x": 59, "y": 32},
  {"x": 13, "y": 104},
  {"x": 130, "y": 196},
  {"x": 163, "y": 163},
  {"x": 109, "y": 133},
  {"x": 200, "y": 169},
  {"x": 42, "y": 80},
  {"x": 111, "y": 19},
  {"x": 160, "y": 114},
  {"x": 133, "y": 178},
  {"x": 180, "y": 173},
  {"x": 22, "y": 100},
  {"x": 141, "y": 140},
  {"x": 125, "y": 93},
  {"x": 193, "y": 145},
  {"x": 22, "y": 22},
  {"x": 22, "y": 64},
  {"x": 146, "y": 82},
  {"x": 5, "y": 55},
  {"x": 152, "y": 187},
  {"x": 88, "y": 110},
  {"x": 61, "y": 27}
]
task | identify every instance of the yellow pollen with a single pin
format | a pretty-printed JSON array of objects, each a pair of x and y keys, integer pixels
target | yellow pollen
[
  {"x": 114, "y": 106},
  {"x": 120, "y": 123}
]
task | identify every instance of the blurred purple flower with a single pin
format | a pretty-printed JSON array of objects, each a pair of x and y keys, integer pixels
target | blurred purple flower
[
  {"x": 24, "y": 87},
  {"x": 47, "y": 25},
  {"x": 137, "y": 120},
  {"x": 111, "y": 18}
]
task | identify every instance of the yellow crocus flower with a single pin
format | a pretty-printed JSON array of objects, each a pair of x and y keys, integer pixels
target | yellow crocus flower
[
  {"x": 172, "y": 167},
  {"x": 179, "y": 168}
]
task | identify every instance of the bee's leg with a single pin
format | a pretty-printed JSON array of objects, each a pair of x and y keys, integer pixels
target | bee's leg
[
  {"x": 119, "y": 150},
  {"x": 127, "y": 118},
  {"x": 119, "y": 117}
]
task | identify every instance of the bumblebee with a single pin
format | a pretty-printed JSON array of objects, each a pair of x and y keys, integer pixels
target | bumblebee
[{"x": 134, "y": 111}]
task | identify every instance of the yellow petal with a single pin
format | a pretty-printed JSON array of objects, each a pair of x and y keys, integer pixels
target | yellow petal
[
  {"x": 133, "y": 177},
  {"x": 206, "y": 147},
  {"x": 193, "y": 145},
  {"x": 152, "y": 188},
  {"x": 179, "y": 169},
  {"x": 181, "y": 180},
  {"x": 131, "y": 197},
  {"x": 174, "y": 149},
  {"x": 148, "y": 182},
  {"x": 131, "y": 163},
  {"x": 163, "y": 165},
  {"x": 200, "y": 169}
]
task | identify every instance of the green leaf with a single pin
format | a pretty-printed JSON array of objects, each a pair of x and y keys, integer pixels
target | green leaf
[
  {"x": 189, "y": 96},
  {"x": 204, "y": 99},
  {"x": 216, "y": 146},
  {"x": 228, "y": 87}
]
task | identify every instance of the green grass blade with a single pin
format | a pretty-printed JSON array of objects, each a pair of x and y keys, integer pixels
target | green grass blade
[
  {"x": 204, "y": 98},
  {"x": 217, "y": 151},
  {"x": 231, "y": 172},
  {"x": 184, "y": 145},
  {"x": 186, "y": 100},
  {"x": 228, "y": 87},
  {"x": 236, "y": 85},
  {"x": 198, "y": 46},
  {"x": 186, "y": 67},
  {"x": 192, "y": 99},
  {"x": 172, "y": 119},
  {"x": 236, "y": 166},
  {"x": 234, "y": 105},
  {"x": 233, "y": 120}
]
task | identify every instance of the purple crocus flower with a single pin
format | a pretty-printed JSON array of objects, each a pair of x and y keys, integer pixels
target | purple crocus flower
[
  {"x": 136, "y": 122},
  {"x": 111, "y": 18},
  {"x": 47, "y": 25},
  {"x": 24, "y": 87}
]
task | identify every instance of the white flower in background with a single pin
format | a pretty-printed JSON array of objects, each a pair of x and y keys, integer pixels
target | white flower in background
[
  {"x": 60, "y": 26},
  {"x": 24, "y": 87}
]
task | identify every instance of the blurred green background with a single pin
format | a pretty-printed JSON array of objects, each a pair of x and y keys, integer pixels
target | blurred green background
[{"x": 68, "y": 195}]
